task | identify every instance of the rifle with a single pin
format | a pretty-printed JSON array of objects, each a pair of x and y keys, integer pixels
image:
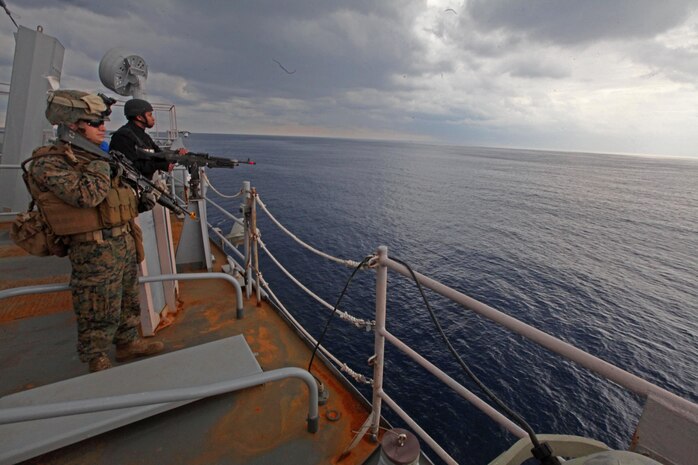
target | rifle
[
  {"x": 129, "y": 173},
  {"x": 193, "y": 161}
]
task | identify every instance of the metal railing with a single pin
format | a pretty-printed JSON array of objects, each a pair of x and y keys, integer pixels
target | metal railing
[
  {"x": 611, "y": 372},
  {"x": 48, "y": 288},
  {"x": 99, "y": 404},
  {"x": 382, "y": 335}
]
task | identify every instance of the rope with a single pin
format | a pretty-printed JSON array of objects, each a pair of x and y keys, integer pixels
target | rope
[
  {"x": 208, "y": 181},
  {"x": 358, "y": 377},
  {"x": 342, "y": 366},
  {"x": 367, "y": 325},
  {"x": 341, "y": 261},
  {"x": 357, "y": 322}
]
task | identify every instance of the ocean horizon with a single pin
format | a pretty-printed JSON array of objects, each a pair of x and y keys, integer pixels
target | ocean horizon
[{"x": 437, "y": 143}]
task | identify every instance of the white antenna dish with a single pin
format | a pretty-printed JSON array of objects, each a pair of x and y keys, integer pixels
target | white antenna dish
[{"x": 124, "y": 73}]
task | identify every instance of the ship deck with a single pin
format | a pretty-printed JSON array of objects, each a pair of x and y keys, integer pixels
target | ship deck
[{"x": 259, "y": 425}]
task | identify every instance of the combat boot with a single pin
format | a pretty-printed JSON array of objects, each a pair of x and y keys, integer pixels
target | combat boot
[
  {"x": 100, "y": 363},
  {"x": 137, "y": 348}
]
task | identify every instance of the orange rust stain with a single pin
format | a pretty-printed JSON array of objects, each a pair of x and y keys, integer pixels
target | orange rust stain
[
  {"x": 273, "y": 425},
  {"x": 8, "y": 283},
  {"x": 16, "y": 308},
  {"x": 165, "y": 320},
  {"x": 265, "y": 346},
  {"x": 261, "y": 418},
  {"x": 11, "y": 251}
]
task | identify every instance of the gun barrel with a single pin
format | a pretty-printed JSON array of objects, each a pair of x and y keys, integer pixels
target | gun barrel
[{"x": 198, "y": 158}]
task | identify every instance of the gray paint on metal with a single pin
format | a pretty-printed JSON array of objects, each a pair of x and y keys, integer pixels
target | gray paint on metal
[
  {"x": 36, "y": 56},
  {"x": 666, "y": 432},
  {"x": 218, "y": 361},
  {"x": 194, "y": 249},
  {"x": 152, "y": 258}
]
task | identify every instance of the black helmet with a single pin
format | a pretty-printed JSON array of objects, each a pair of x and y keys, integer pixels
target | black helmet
[{"x": 135, "y": 107}]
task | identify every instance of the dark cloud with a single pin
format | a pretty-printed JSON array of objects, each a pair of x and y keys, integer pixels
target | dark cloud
[
  {"x": 391, "y": 67},
  {"x": 114, "y": 9},
  {"x": 583, "y": 21},
  {"x": 331, "y": 45}
]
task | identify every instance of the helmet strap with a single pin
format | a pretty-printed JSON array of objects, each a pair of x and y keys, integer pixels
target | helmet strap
[{"x": 140, "y": 121}]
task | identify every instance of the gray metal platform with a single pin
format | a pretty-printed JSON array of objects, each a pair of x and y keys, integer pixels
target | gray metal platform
[{"x": 221, "y": 360}]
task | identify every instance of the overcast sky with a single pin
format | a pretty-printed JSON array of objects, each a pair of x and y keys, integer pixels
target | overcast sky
[{"x": 616, "y": 76}]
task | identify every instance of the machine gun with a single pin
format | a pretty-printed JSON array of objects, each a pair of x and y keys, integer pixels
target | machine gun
[
  {"x": 129, "y": 173},
  {"x": 193, "y": 161}
]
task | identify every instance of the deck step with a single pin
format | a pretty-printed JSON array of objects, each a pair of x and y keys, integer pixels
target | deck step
[{"x": 221, "y": 360}]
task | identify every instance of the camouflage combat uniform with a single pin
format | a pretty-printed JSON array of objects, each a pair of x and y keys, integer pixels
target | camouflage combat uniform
[{"x": 104, "y": 281}]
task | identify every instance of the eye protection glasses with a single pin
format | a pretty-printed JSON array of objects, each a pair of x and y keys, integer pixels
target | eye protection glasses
[{"x": 95, "y": 124}]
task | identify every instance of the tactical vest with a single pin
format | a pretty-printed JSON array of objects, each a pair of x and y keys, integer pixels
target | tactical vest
[{"x": 119, "y": 206}]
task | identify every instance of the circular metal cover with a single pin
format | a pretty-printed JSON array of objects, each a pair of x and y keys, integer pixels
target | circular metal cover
[
  {"x": 124, "y": 73},
  {"x": 400, "y": 447}
]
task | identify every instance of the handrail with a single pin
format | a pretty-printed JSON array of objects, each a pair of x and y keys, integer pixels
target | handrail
[
  {"x": 483, "y": 406},
  {"x": 607, "y": 370},
  {"x": 46, "y": 288},
  {"x": 75, "y": 407},
  {"x": 224, "y": 211}
]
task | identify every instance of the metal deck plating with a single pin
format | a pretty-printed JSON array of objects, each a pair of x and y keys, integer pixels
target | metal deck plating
[{"x": 259, "y": 425}]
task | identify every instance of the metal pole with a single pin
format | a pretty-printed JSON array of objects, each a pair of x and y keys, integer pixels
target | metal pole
[
  {"x": 379, "y": 339},
  {"x": 611, "y": 372},
  {"x": 245, "y": 209},
  {"x": 255, "y": 238},
  {"x": 483, "y": 406},
  {"x": 46, "y": 288}
]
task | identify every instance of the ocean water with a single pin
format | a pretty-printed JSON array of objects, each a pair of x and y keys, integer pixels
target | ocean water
[{"x": 598, "y": 250}]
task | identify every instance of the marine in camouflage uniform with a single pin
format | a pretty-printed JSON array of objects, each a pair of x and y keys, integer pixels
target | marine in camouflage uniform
[
  {"x": 104, "y": 279},
  {"x": 84, "y": 201}
]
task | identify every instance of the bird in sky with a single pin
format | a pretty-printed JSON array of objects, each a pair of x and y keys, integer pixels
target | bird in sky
[
  {"x": 282, "y": 67},
  {"x": 451, "y": 10}
]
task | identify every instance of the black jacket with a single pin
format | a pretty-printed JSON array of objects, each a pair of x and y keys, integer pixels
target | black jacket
[{"x": 127, "y": 138}]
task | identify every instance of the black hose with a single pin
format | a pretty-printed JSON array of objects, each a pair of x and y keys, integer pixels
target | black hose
[
  {"x": 334, "y": 310},
  {"x": 541, "y": 451}
]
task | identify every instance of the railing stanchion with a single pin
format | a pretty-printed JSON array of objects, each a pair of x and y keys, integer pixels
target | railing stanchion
[
  {"x": 245, "y": 214},
  {"x": 379, "y": 344},
  {"x": 255, "y": 249}
]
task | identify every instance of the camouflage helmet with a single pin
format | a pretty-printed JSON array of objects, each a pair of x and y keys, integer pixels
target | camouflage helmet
[{"x": 70, "y": 106}]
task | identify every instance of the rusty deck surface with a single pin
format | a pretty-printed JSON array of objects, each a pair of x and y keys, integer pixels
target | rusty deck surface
[{"x": 260, "y": 425}]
